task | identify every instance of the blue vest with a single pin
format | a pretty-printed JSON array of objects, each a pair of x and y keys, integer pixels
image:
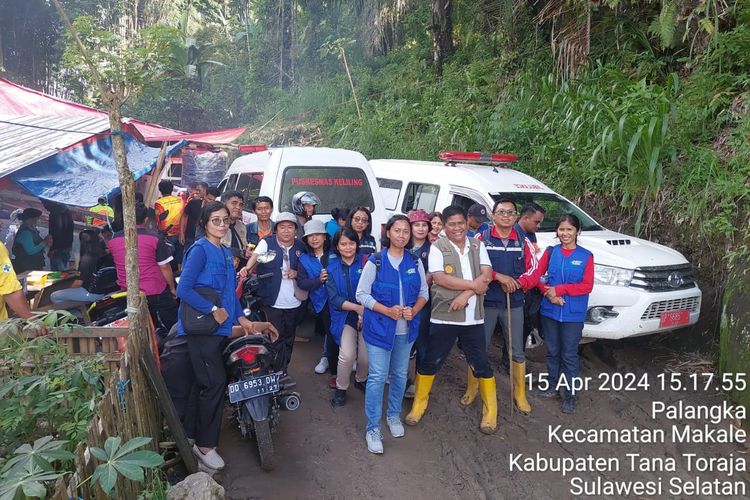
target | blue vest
[
  {"x": 268, "y": 289},
  {"x": 318, "y": 295},
  {"x": 423, "y": 254},
  {"x": 345, "y": 279},
  {"x": 377, "y": 329},
  {"x": 508, "y": 260},
  {"x": 367, "y": 244},
  {"x": 563, "y": 270},
  {"x": 220, "y": 276}
]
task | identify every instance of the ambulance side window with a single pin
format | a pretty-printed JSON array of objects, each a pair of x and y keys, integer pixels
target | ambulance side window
[
  {"x": 390, "y": 189},
  {"x": 422, "y": 196},
  {"x": 462, "y": 201}
]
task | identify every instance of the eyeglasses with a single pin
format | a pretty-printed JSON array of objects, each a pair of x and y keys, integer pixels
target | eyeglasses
[
  {"x": 505, "y": 212},
  {"x": 217, "y": 221},
  {"x": 360, "y": 219}
]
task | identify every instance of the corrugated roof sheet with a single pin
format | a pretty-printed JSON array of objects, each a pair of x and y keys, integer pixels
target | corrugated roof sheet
[{"x": 27, "y": 139}]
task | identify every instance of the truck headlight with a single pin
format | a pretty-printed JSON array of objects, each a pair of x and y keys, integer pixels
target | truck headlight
[{"x": 608, "y": 275}]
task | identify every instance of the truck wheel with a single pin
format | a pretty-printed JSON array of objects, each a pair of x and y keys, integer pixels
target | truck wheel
[{"x": 265, "y": 444}]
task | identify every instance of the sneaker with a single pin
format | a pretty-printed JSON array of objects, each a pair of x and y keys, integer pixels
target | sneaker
[
  {"x": 332, "y": 382},
  {"x": 374, "y": 441},
  {"x": 395, "y": 426},
  {"x": 212, "y": 460},
  {"x": 322, "y": 366},
  {"x": 362, "y": 386},
  {"x": 410, "y": 391},
  {"x": 339, "y": 398}
]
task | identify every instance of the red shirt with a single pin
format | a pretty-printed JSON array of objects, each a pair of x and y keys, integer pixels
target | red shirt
[{"x": 529, "y": 256}]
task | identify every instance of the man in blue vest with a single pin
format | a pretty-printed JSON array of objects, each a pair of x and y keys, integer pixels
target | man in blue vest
[
  {"x": 278, "y": 293},
  {"x": 513, "y": 264}
]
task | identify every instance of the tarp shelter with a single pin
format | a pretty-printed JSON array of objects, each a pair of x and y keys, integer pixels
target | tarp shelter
[{"x": 36, "y": 129}]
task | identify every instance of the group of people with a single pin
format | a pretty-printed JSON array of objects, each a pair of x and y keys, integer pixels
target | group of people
[{"x": 435, "y": 280}]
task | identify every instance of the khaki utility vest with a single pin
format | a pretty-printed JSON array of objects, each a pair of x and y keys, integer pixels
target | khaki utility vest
[{"x": 442, "y": 297}]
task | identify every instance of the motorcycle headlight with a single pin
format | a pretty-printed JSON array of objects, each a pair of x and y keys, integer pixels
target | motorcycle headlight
[{"x": 608, "y": 275}]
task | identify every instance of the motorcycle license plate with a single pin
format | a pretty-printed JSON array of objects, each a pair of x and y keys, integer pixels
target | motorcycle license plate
[{"x": 252, "y": 388}]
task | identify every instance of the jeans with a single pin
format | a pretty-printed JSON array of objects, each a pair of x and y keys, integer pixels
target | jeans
[
  {"x": 562, "y": 340},
  {"x": 491, "y": 317},
  {"x": 59, "y": 259},
  {"x": 442, "y": 338},
  {"x": 381, "y": 364},
  {"x": 77, "y": 294}
]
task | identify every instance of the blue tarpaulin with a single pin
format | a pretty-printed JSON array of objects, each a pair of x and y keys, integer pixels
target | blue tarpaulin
[{"x": 83, "y": 174}]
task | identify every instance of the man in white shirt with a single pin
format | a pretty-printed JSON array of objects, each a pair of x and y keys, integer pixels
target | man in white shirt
[{"x": 461, "y": 272}]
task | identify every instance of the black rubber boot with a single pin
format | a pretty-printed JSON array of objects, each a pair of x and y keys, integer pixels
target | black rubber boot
[
  {"x": 569, "y": 403},
  {"x": 339, "y": 398}
]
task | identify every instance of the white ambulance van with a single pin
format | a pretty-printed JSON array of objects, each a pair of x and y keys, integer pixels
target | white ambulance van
[
  {"x": 339, "y": 177},
  {"x": 640, "y": 287}
]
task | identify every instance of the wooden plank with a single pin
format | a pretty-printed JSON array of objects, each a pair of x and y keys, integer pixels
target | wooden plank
[{"x": 168, "y": 409}]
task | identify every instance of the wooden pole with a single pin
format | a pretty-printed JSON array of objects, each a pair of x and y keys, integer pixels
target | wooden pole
[
  {"x": 351, "y": 82},
  {"x": 510, "y": 351}
]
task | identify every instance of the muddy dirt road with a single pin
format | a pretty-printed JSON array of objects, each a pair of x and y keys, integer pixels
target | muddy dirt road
[{"x": 321, "y": 453}]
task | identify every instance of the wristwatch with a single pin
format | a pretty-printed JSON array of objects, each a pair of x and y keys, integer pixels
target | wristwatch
[{"x": 214, "y": 309}]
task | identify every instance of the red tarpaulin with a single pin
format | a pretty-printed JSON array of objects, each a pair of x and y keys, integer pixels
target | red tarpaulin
[{"x": 16, "y": 100}]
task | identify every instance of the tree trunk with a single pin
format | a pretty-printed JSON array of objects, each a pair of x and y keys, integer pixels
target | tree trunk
[
  {"x": 286, "y": 63},
  {"x": 442, "y": 33},
  {"x": 136, "y": 320}
]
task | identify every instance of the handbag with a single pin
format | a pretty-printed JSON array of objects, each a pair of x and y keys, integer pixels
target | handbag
[{"x": 195, "y": 322}]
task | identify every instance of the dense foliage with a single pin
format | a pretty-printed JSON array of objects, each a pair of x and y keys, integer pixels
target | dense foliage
[{"x": 636, "y": 106}]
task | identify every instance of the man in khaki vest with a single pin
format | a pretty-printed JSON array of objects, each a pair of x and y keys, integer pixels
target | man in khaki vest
[{"x": 461, "y": 272}]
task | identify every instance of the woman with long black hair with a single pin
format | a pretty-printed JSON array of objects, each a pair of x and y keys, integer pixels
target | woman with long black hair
[{"x": 569, "y": 270}]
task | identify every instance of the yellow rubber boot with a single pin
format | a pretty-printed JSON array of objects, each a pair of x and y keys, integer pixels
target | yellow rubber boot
[
  {"x": 423, "y": 384},
  {"x": 472, "y": 388},
  {"x": 519, "y": 387},
  {"x": 488, "y": 392}
]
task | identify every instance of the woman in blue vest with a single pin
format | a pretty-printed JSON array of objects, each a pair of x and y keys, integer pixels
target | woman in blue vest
[
  {"x": 393, "y": 291},
  {"x": 208, "y": 264},
  {"x": 312, "y": 277},
  {"x": 569, "y": 280},
  {"x": 360, "y": 220},
  {"x": 344, "y": 272},
  {"x": 420, "y": 248}
]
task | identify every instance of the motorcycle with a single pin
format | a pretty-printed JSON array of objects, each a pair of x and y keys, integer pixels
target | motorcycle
[{"x": 256, "y": 390}]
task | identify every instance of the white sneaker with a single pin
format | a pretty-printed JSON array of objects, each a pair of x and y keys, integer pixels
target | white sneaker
[
  {"x": 212, "y": 460},
  {"x": 374, "y": 441},
  {"x": 322, "y": 366},
  {"x": 395, "y": 426}
]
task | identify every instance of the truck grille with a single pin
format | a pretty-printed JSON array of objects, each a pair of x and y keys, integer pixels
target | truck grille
[
  {"x": 663, "y": 278},
  {"x": 654, "y": 310}
]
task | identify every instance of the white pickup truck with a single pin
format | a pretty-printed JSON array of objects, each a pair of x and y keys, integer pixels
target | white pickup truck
[{"x": 640, "y": 287}]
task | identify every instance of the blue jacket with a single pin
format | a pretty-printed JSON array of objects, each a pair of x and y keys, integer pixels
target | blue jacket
[
  {"x": 268, "y": 290},
  {"x": 342, "y": 286},
  {"x": 252, "y": 232},
  {"x": 380, "y": 330},
  {"x": 312, "y": 268},
  {"x": 508, "y": 260},
  {"x": 563, "y": 270},
  {"x": 367, "y": 244},
  {"x": 206, "y": 266}
]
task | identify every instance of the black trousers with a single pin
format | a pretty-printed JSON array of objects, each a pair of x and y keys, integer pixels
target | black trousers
[
  {"x": 211, "y": 384},
  {"x": 163, "y": 310},
  {"x": 285, "y": 321},
  {"x": 177, "y": 371},
  {"x": 331, "y": 348},
  {"x": 442, "y": 339}
]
